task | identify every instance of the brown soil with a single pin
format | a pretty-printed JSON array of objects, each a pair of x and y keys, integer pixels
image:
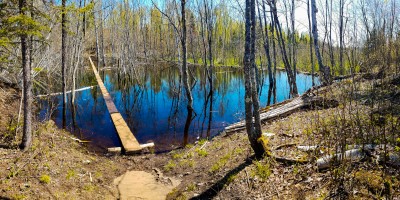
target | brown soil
[{"x": 58, "y": 167}]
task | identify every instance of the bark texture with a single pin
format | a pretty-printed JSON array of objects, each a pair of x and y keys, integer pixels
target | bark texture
[{"x": 27, "y": 98}]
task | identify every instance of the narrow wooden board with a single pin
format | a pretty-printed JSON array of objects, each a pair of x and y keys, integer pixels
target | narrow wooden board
[{"x": 128, "y": 140}]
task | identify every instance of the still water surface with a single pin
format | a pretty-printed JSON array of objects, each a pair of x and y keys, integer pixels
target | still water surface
[{"x": 153, "y": 108}]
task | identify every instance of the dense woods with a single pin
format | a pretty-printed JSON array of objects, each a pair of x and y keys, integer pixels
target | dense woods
[{"x": 349, "y": 48}]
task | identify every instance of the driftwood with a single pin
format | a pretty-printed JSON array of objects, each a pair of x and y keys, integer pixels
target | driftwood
[
  {"x": 119, "y": 149},
  {"x": 79, "y": 140},
  {"x": 307, "y": 148},
  {"x": 353, "y": 155},
  {"x": 59, "y": 93},
  {"x": 359, "y": 153},
  {"x": 287, "y": 108}
]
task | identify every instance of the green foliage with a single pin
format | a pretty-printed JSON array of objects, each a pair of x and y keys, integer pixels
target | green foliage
[
  {"x": 261, "y": 170},
  {"x": 171, "y": 165},
  {"x": 202, "y": 141},
  {"x": 189, "y": 146},
  {"x": 220, "y": 163},
  {"x": 19, "y": 197},
  {"x": 191, "y": 187},
  {"x": 70, "y": 174},
  {"x": 187, "y": 163},
  {"x": 177, "y": 155},
  {"x": 25, "y": 25},
  {"x": 201, "y": 152},
  {"x": 89, "y": 187},
  {"x": 45, "y": 179},
  {"x": 14, "y": 24}
]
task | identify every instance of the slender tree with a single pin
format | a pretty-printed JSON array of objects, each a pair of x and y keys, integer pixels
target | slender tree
[
  {"x": 251, "y": 98},
  {"x": 282, "y": 46},
  {"x": 27, "y": 96},
  {"x": 185, "y": 74},
  {"x": 63, "y": 57},
  {"x": 311, "y": 43},
  {"x": 341, "y": 36},
  {"x": 265, "y": 38},
  {"x": 325, "y": 71}
]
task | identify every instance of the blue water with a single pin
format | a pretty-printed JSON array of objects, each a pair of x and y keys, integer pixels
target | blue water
[{"x": 155, "y": 112}]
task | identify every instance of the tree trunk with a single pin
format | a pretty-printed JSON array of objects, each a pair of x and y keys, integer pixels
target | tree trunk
[
  {"x": 311, "y": 43},
  {"x": 341, "y": 8},
  {"x": 273, "y": 54},
  {"x": 267, "y": 52},
  {"x": 27, "y": 129},
  {"x": 325, "y": 71},
  {"x": 209, "y": 22},
  {"x": 253, "y": 129},
  {"x": 63, "y": 58},
  {"x": 281, "y": 42},
  {"x": 294, "y": 61},
  {"x": 185, "y": 74},
  {"x": 78, "y": 51},
  {"x": 101, "y": 35}
]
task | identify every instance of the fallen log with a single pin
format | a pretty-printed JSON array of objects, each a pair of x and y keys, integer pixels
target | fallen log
[
  {"x": 353, "y": 155},
  {"x": 59, "y": 93},
  {"x": 119, "y": 149},
  {"x": 282, "y": 110}
]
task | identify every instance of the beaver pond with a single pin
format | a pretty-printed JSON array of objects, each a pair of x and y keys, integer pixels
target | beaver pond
[{"x": 154, "y": 105}]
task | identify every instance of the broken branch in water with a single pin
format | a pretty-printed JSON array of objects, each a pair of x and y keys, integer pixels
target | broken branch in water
[{"x": 59, "y": 93}]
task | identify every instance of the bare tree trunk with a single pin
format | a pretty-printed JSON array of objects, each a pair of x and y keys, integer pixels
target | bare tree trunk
[
  {"x": 330, "y": 43},
  {"x": 281, "y": 42},
  {"x": 267, "y": 52},
  {"x": 77, "y": 60},
  {"x": 273, "y": 54},
  {"x": 253, "y": 129},
  {"x": 96, "y": 32},
  {"x": 294, "y": 58},
  {"x": 311, "y": 43},
  {"x": 27, "y": 96},
  {"x": 253, "y": 73},
  {"x": 202, "y": 33},
  {"x": 185, "y": 75},
  {"x": 341, "y": 8},
  {"x": 63, "y": 59},
  {"x": 209, "y": 22},
  {"x": 84, "y": 20},
  {"x": 101, "y": 35},
  {"x": 325, "y": 71}
]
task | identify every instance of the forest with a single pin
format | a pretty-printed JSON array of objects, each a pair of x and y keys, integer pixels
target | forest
[{"x": 199, "y": 99}]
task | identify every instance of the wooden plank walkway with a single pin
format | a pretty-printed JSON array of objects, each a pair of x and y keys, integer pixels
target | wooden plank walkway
[{"x": 128, "y": 140}]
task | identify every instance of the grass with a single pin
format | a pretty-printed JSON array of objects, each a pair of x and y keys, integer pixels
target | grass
[
  {"x": 177, "y": 155},
  {"x": 70, "y": 174},
  {"x": 191, "y": 187},
  {"x": 202, "y": 141},
  {"x": 201, "y": 152},
  {"x": 171, "y": 165},
  {"x": 263, "y": 171},
  {"x": 89, "y": 187},
  {"x": 231, "y": 178},
  {"x": 45, "y": 179},
  {"x": 188, "y": 163},
  {"x": 220, "y": 163}
]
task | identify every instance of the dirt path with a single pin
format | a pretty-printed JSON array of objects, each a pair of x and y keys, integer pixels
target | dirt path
[{"x": 144, "y": 185}]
